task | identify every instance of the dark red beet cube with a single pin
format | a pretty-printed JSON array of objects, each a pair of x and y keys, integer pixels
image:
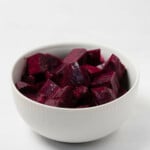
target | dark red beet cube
[
  {"x": 75, "y": 76},
  {"x": 94, "y": 57},
  {"x": 63, "y": 97},
  {"x": 92, "y": 70},
  {"x": 39, "y": 63},
  {"x": 76, "y": 55},
  {"x": 81, "y": 93},
  {"x": 52, "y": 61},
  {"x": 59, "y": 73},
  {"x": 109, "y": 80},
  {"x": 102, "y": 95},
  {"x": 48, "y": 89},
  {"x": 36, "y": 64},
  {"x": 114, "y": 64}
]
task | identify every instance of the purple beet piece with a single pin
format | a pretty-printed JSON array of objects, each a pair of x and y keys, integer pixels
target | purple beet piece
[
  {"x": 102, "y": 95},
  {"x": 36, "y": 64},
  {"x": 108, "y": 79},
  {"x": 39, "y": 63},
  {"x": 25, "y": 87},
  {"x": 76, "y": 55},
  {"x": 63, "y": 97},
  {"x": 48, "y": 89},
  {"x": 114, "y": 64},
  {"x": 94, "y": 57},
  {"x": 74, "y": 76},
  {"x": 92, "y": 70}
]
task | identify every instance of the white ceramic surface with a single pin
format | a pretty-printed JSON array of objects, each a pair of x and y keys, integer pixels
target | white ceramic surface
[{"x": 75, "y": 125}]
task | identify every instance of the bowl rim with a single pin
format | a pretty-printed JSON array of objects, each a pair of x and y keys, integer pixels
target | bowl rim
[{"x": 70, "y": 44}]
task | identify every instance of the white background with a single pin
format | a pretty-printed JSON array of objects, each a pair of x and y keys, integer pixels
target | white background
[{"x": 27, "y": 24}]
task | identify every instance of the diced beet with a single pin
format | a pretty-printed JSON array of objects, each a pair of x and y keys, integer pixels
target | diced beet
[
  {"x": 59, "y": 73},
  {"x": 52, "y": 61},
  {"x": 74, "y": 76},
  {"x": 47, "y": 89},
  {"x": 81, "y": 93},
  {"x": 108, "y": 79},
  {"x": 76, "y": 55},
  {"x": 26, "y": 77},
  {"x": 92, "y": 70},
  {"x": 63, "y": 97},
  {"x": 114, "y": 64},
  {"x": 102, "y": 95},
  {"x": 36, "y": 64},
  {"x": 39, "y": 63},
  {"x": 94, "y": 57},
  {"x": 25, "y": 87}
]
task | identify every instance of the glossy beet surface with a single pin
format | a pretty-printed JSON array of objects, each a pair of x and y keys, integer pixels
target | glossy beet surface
[{"x": 81, "y": 79}]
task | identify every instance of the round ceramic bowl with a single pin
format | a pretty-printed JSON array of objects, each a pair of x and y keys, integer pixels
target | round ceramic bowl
[{"x": 80, "y": 124}]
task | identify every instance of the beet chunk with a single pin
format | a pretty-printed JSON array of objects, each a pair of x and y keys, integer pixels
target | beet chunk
[
  {"x": 94, "y": 57},
  {"x": 63, "y": 97},
  {"x": 92, "y": 70},
  {"x": 82, "y": 94},
  {"x": 114, "y": 64},
  {"x": 25, "y": 87},
  {"x": 48, "y": 88},
  {"x": 109, "y": 80},
  {"x": 102, "y": 95},
  {"x": 52, "y": 61},
  {"x": 76, "y": 55},
  {"x": 59, "y": 73},
  {"x": 39, "y": 63},
  {"x": 74, "y": 75}
]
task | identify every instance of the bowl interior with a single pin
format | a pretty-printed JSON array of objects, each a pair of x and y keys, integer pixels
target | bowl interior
[{"x": 62, "y": 49}]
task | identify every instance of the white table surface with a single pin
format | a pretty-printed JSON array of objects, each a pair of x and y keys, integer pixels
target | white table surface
[{"x": 27, "y": 24}]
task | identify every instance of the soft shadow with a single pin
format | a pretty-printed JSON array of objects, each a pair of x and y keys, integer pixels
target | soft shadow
[{"x": 134, "y": 134}]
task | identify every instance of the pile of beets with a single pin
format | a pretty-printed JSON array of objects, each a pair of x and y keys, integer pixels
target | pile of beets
[{"x": 81, "y": 79}]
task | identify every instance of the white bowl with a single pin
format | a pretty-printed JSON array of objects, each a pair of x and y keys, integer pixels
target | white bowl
[{"x": 81, "y": 124}]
